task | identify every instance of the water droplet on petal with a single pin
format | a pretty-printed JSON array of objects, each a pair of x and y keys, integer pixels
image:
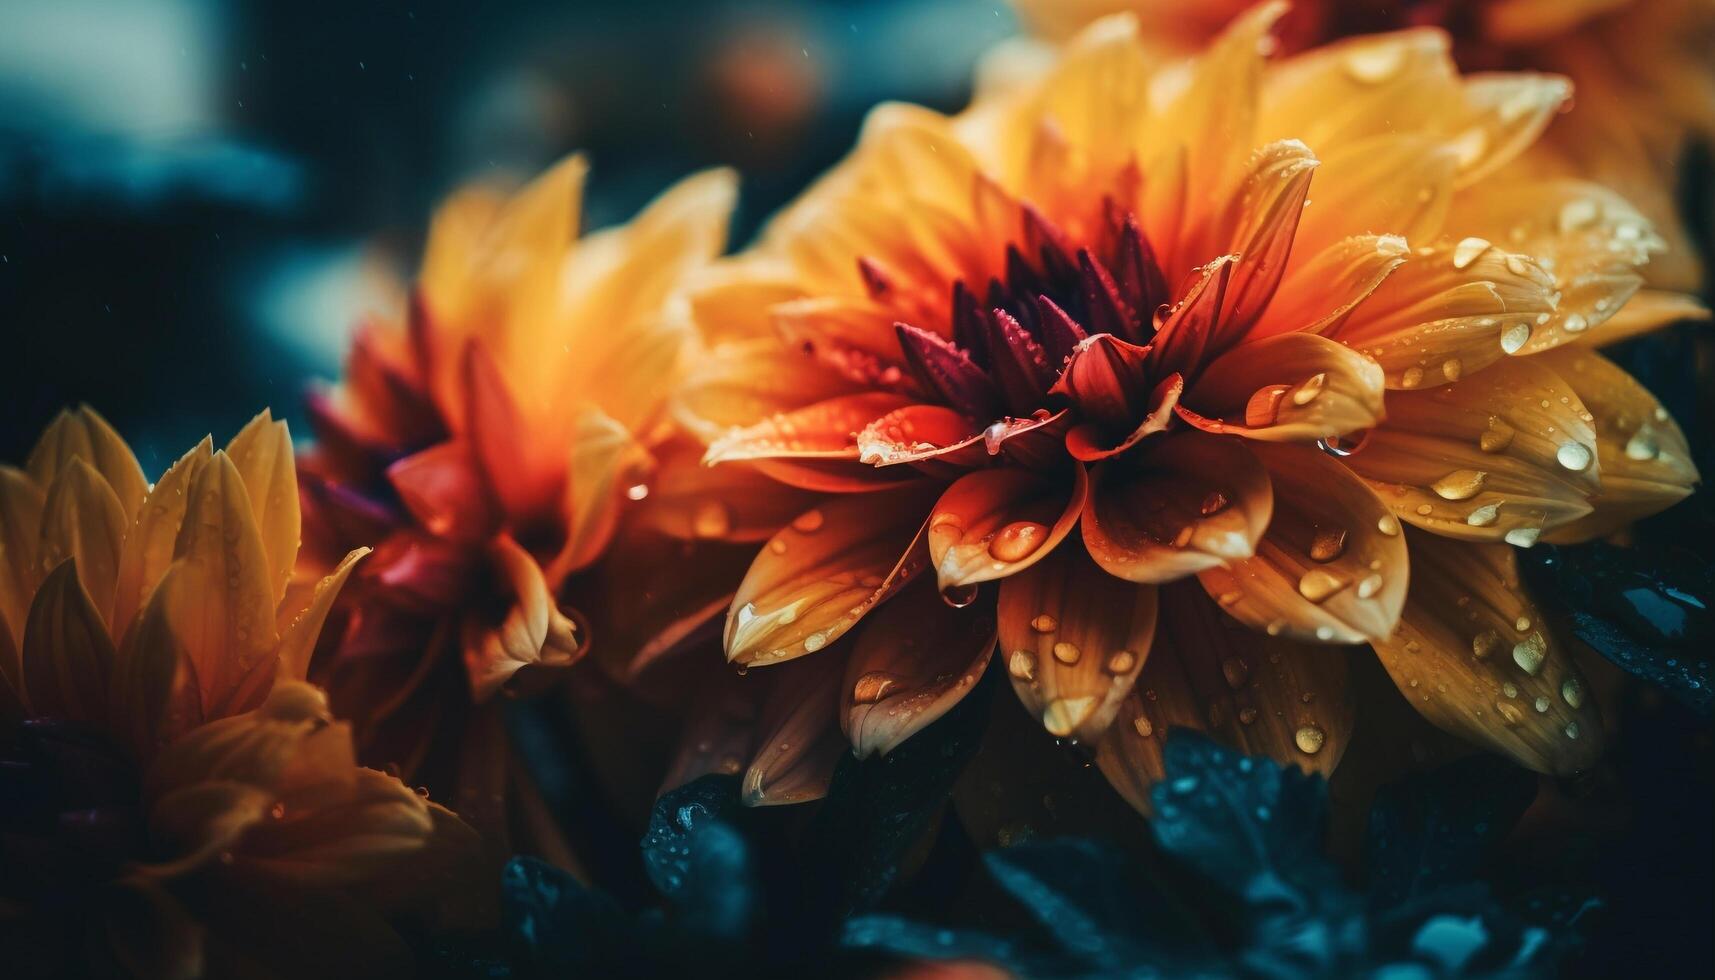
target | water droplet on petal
[
  {"x": 1575, "y": 456},
  {"x": 873, "y": 686},
  {"x": 1515, "y": 337},
  {"x": 1459, "y": 484},
  {"x": 1044, "y": 623},
  {"x": 1468, "y": 250},
  {"x": 1310, "y": 739},
  {"x": 1121, "y": 662},
  {"x": 1328, "y": 543},
  {"x": 1214, "y": 503},
  {"x": 1572, "y": 692},
  {"x": 1530, "y": 653},
  {"x": 1022, "y": 665},
  {"x": 1017, "y": 541},
  {"x": 1388, "y": 525},
  {"x": 1066, "y": 653},
  {"x": 1318, "y": 584},
  {"x": 808, "y": 522},
  {"x": 1062, "y": 716},
  {"x": 1236, "y": 671},
  {"x": 1312, "y": 387}
]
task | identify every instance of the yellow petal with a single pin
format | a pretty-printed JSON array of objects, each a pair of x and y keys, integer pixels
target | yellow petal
[
  {"x": 736, "y": 384},
  {"x": 997, "y": 522},
  {"x": 1400, "y": 183},
  {"x": 149, "y": 544},
  {"x": 83, "y": 519},
  {"x": 1499, "y": 115},
  {"x": 819, "y": 575},
  {"x": 262, "y": 453},
  {"x": 83, "y": 434},
  {"x": 256, "y": 747},
  {"x": 1074, "y": 638},
  {"x": 21, "y": 502},
  {"x": 913, "y": 661},
  {"x": 1475, "y": 657},
  {"x": 1270, "y": 203},
  {"x": 365, "y": 825},
  {"x": 67, "y": 657},
  {"x": 798, "y": 736},
  {"x": 604, "y": 460},
  {"x": 1332, "y": 567},
  {"x": 150, "y": 676},
  {"x": 298, "y": 637},
  {"x": 1348, "y": 91},
  {"x": 1266, "y": 696},
  {"x": 1321, "y": 291},
  {"x": 733, "y": 299},
  {"x": 691, "y": 501},
  {"x": 1291, "y": 387},
  {"x": 1648, "y": 310},
  {"x": 221, "y": 606},
  {"x": 1646, "y": 462},
  {"x": 1449, "y": 311},
  {"x": 1504, "y": 454}
]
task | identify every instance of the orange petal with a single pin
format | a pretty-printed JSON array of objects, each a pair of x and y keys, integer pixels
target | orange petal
[
  {"x": 220, "y": 603},
  {"x": 262, "y": 452},
  {"x": 21, "y": 502},
  {"x": 149, "y": 544},
  {"x": 1074, "y": 639},
  {"x": 690, "y": 501},
  {"x": 799, "y": 735},
  {"x": 994, "y": 523},
  {"x": 1262, "y": 695},
  {"x": 605, "y": 459},
  {"x": 819, "y": 575},
  {"x": 83, "y": 519},
  {"x": 1648, "y": 310},
  {"x": 913, "y": 661},
  {"x": 826, "y": 430},
  {"x": 150, "y": 675},
  {"x": 1188, "y": 503},
  {"x": 1325, "y": 286},
  {"x": 1292, "y": 387},
  {"x": 1450, "y": 311},
  {"x": 443, "y": 488},
  {"x": 1271, "y": 201},
  {"x": 854, "y": 337},
  {"x": 298, "y": 637},
  {"x": 1499, "y": 115},
  {"x": 1088, "y": 443},
  {"x": 1645, "y": 460},
  {"x": 1476, "y": 658},
  {"x": 192, "y": 825},
  {"x": 934, "y": 439},
  {"x": 1332, "y": 567},
  {"x": 1401, "y": 182},
  {"x": 522, "y": 473},
  {"x": 737, "y": 383},
  {"x": 533, "y": 631},
  {"x": 731, "y": 299},
  {"x": 1346, "y": 91},
  {"x": 1185, "y": 335},
  {"x": 257, "y": 747},
  {"x": 1504, "y": 454},
  {"x": 67, "y": 657},
  {"x": 81, "y": 433}
]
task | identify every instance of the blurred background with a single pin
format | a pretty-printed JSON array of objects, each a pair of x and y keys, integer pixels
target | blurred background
[{"x": 200, "y": 198}]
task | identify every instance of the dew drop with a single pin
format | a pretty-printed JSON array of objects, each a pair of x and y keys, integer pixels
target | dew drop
[
  {"x": 1121, "y": 662},
  {"x": 1310, "y": 739},
  {"x": 1485, "y": 643},
  {"x": 1022, "y": 665},
  {"x": 1572, "y": 730},
  {"x": 1572, "y": 692},
  {"x": 1062, "y": 716},
  {"x": 1310, "y": 389},
  {"x": 1497, "y": 437},
  {"x": 1483, "y": 516},
  {"x": 1575, "y": 456},
  {"x": 1328, "y": 543},
  {"x": 1515, "y": 337},
  {"x": 1388, "y": 525},
  {"x": 873, "y": 686},
  {"x": 1247, "y": 715},
  {"x": 1318, "y": 584},
  {"x": 1214, "y": 503},
  {"x": 1066, "y": 653},
  {"x": 1523, "y": 537},
  {"x": 808, "y": 522},
  {"x": 1509, "y": 713},
  {"x": 1642, "y": 446},
  {"x": 1236, "y": 671},
  {"x": 1529, "y": 654},
  {"x": 1044, "y": 623},
  {"x": 959, "y": 596},
  {"x": 1459, "y": 484},
  {"x": 1411, "y": 377},
  {"x": 1468, "y": 251},
  {"x": 1369, "y": 585},
  {"x": 1017, "y": 541},
  {"x": 1143, "y": 727},
  {"x": 1541, "y": 706}
]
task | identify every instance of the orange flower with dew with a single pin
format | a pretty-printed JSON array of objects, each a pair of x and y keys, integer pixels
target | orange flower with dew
[
  {"x": 1641, "y": 71},
  {"x": 485, "y": 448},
  {"x": 1164, "y": 348},
  {"x": 179, "y": 802}
]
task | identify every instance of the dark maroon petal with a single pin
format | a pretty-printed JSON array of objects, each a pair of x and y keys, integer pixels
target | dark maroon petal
[
  {"x": 968, "y": 330},
  {"x": 945, "y": 369},
  {"x": 1107, "y": 311},
  {"x": 1021, "y": 279},
  {"x": 1045, "y": 240},
  {"x": 1108, "y": 380},
  {"x": 1019, "y": 364},
  {"x": 1058, "y": 332},
  {"x": 1137, "y": 271},
  {"x": 875, "y": 278}
]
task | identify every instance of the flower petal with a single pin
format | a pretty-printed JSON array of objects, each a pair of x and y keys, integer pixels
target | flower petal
[
  {"x": 1449, "y": 311},
  {"x": 693, "y": 502},
  {"x": 1189, "y": 502},
  {"x": 443, "y": 488},
  {"x": 298, "y": 637},
  {"x": 934, "y": 439},
  {"x": 149, "y": 544},
  {"x": 1646, "y": 462},
  {"x": 997, "y": 522},
  {"x": 826, "y": 430},
  {"x": 1290, "y": 387},
  {"x": 1324, "y": 287},
  {"x": 819, "y": 575},
  {"x": 1401, "y": 182},
  {"x": 799, "y": 735},
  {"x": 262, "y": 452},
  {"x": 1270, "y": 203},
  {"x": 1074, "y": 639},
  {"x": 737, "y": 383},
  {"x": 720, "y": 730},
  {"x": 533, "y": 632},
  {"x": 82, "y": 433},
  {"x": 604, "y": 457},
  {"x": 83, "y": 519},
  {"x": 67, "y": 658},
  {"x": 1185, "y": 335},
  {"x": 1475, "y": 657},
  {"x": 913, "y": 661},
  {"x": 1499, "y": 115},
  {"x": 1266, "y": 696},
  {"x": 1504, "y": 454},
  {"x": 150, "y": 674},
  {"x": 1332, "y": 567},
  {"x": 1648, "y": 310},
  {"x": 21, "y": 502},
  {"x": 522, "y": 473}
]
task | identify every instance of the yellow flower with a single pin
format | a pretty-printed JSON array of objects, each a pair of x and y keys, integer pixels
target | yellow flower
[
  {"x": 486, "y": 447},
  {"x": 174, "y": 780},
  {"x": 1641, "y": 70},
  {"x": 1162, "y": 346}
]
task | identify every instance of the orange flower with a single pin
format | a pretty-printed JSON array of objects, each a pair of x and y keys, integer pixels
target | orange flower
[
  {"x": 1641, "y": 70},
  {"x": 485, "y": 448},
  {"x": 174, "y": 787},
  {"x": 1162, "y": 347}
]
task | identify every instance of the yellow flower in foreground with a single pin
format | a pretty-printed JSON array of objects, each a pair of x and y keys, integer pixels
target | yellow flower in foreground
[
  {"x": 179, "y": 802},
  {"x": 485, "y": 448},
  {"x": 1641, "y": 69},
  {"x": 1167, "y": 348}
]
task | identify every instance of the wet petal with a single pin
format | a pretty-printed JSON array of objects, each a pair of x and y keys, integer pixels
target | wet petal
[
  {"x": 149, "y": 544},
  {"x": 690, "y": 501},
  {"x": 1449, "y": 311},
  {"x": 1504, "y": 454},
  {"x": 997, "y": 522},
  {"x": 1187, "y": 332},
  {"x": 1646, "y": 462},
  {"x": 150, "y": 675},
  {"x": 67, "y": 658},
  {"x": 799, "y": 739},
  {"x": 262, "y": 452},
  {"x": 826, "y": 430},
  {"x": 819, "y": 575},
  {"x": 1323, "y": 288},
  {"x": 443, "y": 488},
  {"x": 532, "y": 633},
  {"x": 298, "y": 637},
  {"x": 1290, "y": 387},
  {"x": 1089, "y": 442},
  {"x": 1187, "y": 503},
  {"x": 1266, "y": 696},
  {"x": 1107, "y": 379},
  {"x": 1648, "y": 310},
  {"x": 1498, "y": 116},
  {"x": 736, "y": 384},
  {"x": 1332, "y": 567},
  {"x": 853, "y": 337},
  {"x": 720, "y": 729},
  {"x": 604, "y": 460},
  {"x": 1474, "y": 656},
  {"x": 912, "y": 662},
  {"x": 1401, "y": 182},
  {"x": 1074, "y": 639},
  {"x": 82, "y": 433},
  {"x": 1271, "y": 201},
  {"x": 83, "y": 519},
  {"x": 934, "y": 439}
]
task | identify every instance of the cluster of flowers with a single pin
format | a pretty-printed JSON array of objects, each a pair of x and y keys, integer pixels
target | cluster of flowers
[{"x": 1208, "y": 345}]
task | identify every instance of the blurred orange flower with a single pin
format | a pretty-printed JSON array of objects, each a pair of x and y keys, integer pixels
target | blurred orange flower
[
  {"x": 1162, "y": 346},
  {"x": 485, "y": 449},
  {"x": 179, "y": 802}
]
